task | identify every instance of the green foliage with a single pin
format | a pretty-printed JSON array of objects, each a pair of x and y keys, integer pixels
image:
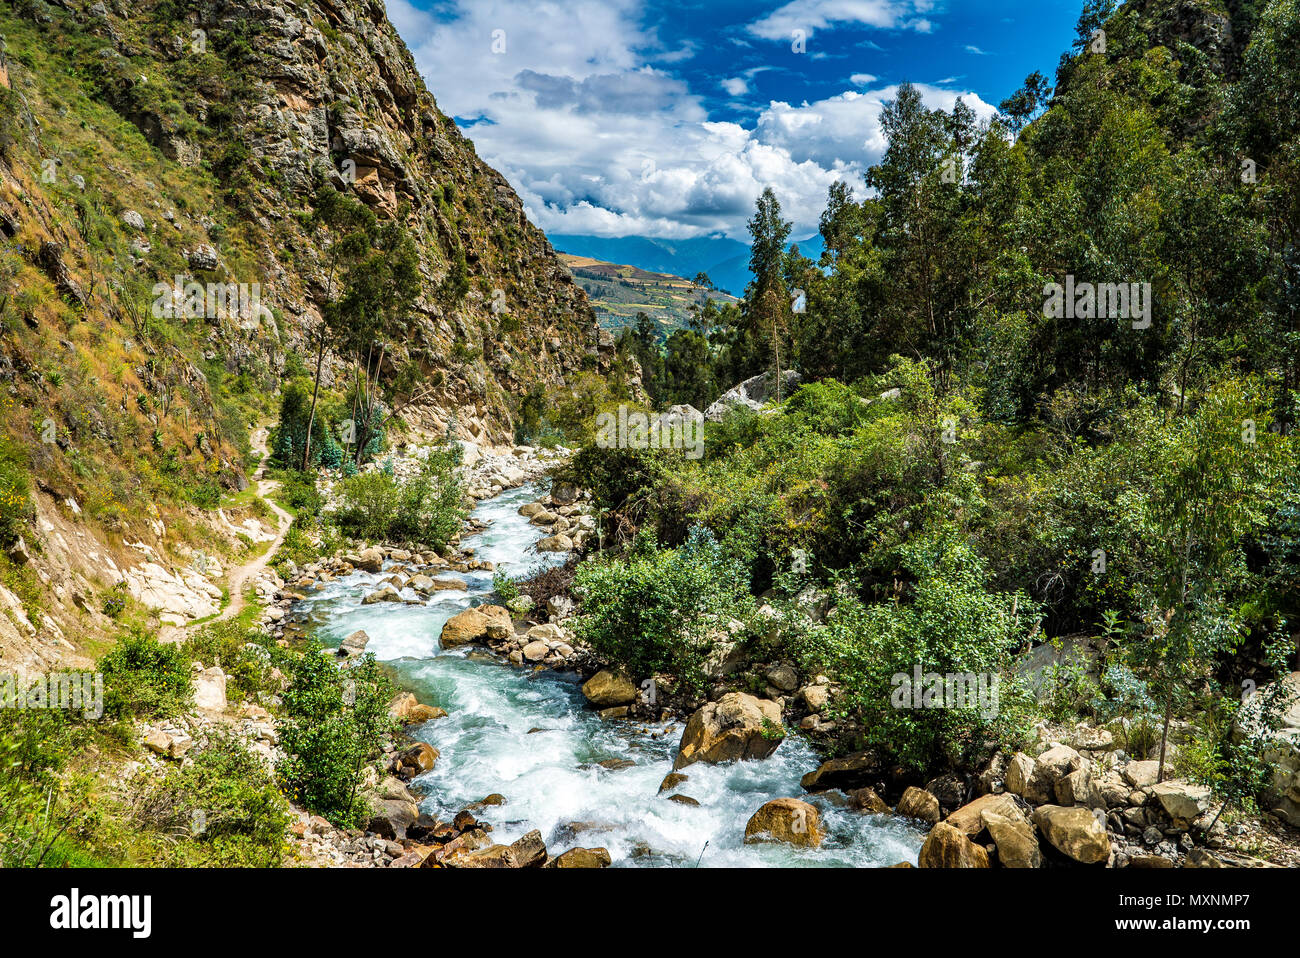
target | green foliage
[
  {"x": 336, "y": 720},
  {"x": 15, "y": 493},
  {"x": 145, "y": 679},
  {"x": 242, "y": 652},
  {"x": 426, "y": 508},
  {"x": 662, "y": 610},
  {"x": 948, "y": 622},
  {"x": 223, "y": 804}
]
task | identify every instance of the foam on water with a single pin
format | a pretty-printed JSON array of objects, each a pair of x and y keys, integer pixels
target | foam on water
[{"x": 528, "y": 736}]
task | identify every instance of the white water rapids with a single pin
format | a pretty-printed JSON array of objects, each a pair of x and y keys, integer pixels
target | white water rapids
[{"x": 529, "y": 736}]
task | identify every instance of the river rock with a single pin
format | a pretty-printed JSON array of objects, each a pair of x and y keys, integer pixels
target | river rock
[
  {"x": 918, "y": 803},
  {"x": 1015, "y": 839},
  {"x": 529, "y": 851},
  {"x": 737, "y": 726},
  {"x": 355, "y": 644},
  {"x": 368, "y": 560},
  {"x": 556, "y": 543},
  {"x": 1074, "y": 832},
  {"x": 852, "y": 771},
  {"x": 948, "y": 847},
  {"x": 535, "y": 651},
  {"x": 414, "y": 760},
  {"x": 564, "y": 493},
  {"x": 866, "y": 800},
  {"x": 477, "y": 625},
  {"x": 969, "y": 818},
  {"x": 607, "y": 689},
  {"x": 583, "y": 858},
  {"x": 788, "y": 820},
  {"x": 407, "y": 710},
  {"x": 386, "y": 594}
]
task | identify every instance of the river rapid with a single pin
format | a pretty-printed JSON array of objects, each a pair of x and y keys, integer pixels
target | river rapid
[{"x": 580, "y": 780}]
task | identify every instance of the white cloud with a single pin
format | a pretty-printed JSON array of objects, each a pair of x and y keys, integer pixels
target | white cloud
[
  {"x": 971, "y": 48},
  {"x": 595, "y": 141},
  {"x": 813, "y": 15},
  {"x": 863, "y": 79}
]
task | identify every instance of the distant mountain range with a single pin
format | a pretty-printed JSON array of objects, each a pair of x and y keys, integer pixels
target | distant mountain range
[
  {"x": 726, "y": 261},
  {"x": 618, "y": 292}
]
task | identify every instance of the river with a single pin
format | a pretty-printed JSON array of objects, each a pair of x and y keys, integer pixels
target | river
[{"x": 529, "y": 736}]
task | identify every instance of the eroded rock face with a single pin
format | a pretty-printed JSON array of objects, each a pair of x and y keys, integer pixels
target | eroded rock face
[
  {"x": 736, "y": 727},
  {"x": 788, "y": 820},
  {"x": 752, "y": 394}
]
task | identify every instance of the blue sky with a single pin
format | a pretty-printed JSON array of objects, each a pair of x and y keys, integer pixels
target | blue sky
[{"x": 666, "y": 119}]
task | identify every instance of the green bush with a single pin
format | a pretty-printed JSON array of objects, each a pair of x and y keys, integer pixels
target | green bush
[
  {"x": 243, "y": 653},
  {"x": 15, "y": 493},
  {"x": 426, "y": 508},
  {"x": 661, "y": 610},
  {"x": 223, "y": 804},
  {"x": 336, "y": 720},
  {"x": 946, "y": 624},
  {"x": 144, "y": 678}
]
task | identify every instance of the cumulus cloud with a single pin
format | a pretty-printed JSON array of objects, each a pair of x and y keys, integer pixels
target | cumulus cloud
[
  {"x": 595, "y": 141},
  {"x": 809, "y": 16}
]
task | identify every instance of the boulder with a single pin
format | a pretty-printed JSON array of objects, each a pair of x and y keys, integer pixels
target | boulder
[
  {"x": 918, "y": 803},
  {"x": 969, "y": 818},
  {"x": 671, "y": 781},
  {"x": 1079, "y": 788},
  {"x": 564, "y": 493},
  {"x": 788, "y": 820},
  {"x": 210, "y": 690},
  {"x": 368, "y": 560},
  {"x": 1141, "y": 774},
  {"x": 1015, "y": 839},
  {"x": 529, "y": 851},
  {"x": 536, "y": 651},
  {"x": 607, "y": 689},
  {"x": 1075, "y": 832},
  {"x": 752, "y": 394},
  {"x": 852, "y": 771},
  {"x": 947, "y": 847},
  {"x": 355, "y": 644},
  {"x": 557, "y": 543},
  {"x": 1182, "y": 801},
  {"x": 783, "y": 677},
  {"x": 386, "y": 594},
  {"x": 391, "y": 818},
  {"x": 1019, "y": 773},
  {"x": 583, "y": 858},
  {"x": 414, "y": 760},
  {"x": 477, "y": 625},
  {"x": 737, "y": 726},
  {"x": 1049, "y": 768},
  {"x": 866, "y": 800}
]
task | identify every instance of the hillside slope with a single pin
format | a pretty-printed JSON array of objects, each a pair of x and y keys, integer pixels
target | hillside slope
[{"x": 157, "y": 155}]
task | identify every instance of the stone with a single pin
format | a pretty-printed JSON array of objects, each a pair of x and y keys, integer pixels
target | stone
[
  {"x": 414, "y": 760},
  {"x": 536, "y": 651},
  {"x": 815, "y": 697},
  {"x": 1019, "y": 773},
  {"x": 671, "y": 781},
  {"x": 529, "y": 851},
  {"x": 210, "y": 690},
  {"x": 583, "y": 858},
  {"x": 684, "y": 800},
  {"x": 1182, "y": 801},
  {"x": 736, "y": 727},
  {"x": 556, "y": 543},
  {"x": 607, "y": 689},
  {"x": 1015, "y": 839},
  {"x": 947, "y": 847},
  {"x": 852, "y": 771},
  {"x": 788, "y": 820},
  {"x": 368, "y": 560},
  {"x": 1078, "y": 788},
  {"x": 1049, "y": 768},
  {"x": 783, "y": 677},
  {"x": 355, "y": 644},
  {"x": 564, "y": 493},
  {"x": 969, "y": 818},
  {"x": 1075, "y": 832},
  {"x": 1141, "y": 774},
  {"x": 476, "y": 625},
  {"x": 866, "y": 800},
  {"x": 920, "y": 804},
  {"x": 386, "y": 594}
]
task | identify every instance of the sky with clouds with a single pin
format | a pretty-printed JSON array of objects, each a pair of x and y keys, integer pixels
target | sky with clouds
[{"x": 667, "y": 119}]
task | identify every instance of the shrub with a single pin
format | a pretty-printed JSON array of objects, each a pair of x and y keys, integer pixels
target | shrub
[
  {"x": 144, "y": 678},
  {"x": 426, "y": 508},
  {"x": 243, "y": 654},
  {"x": 660, "y": 610},
  {"x": 15, "y": 494},
  {"x": 336, "y": 720}
]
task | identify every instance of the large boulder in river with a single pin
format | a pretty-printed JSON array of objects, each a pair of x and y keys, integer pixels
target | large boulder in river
[
  {"x": 1075, "y": 832},
  {"x": 786, "y": 820},
  {"x": 918, "y": 803},
  {"x": 948, "y": 847},
  {"x": 355, "y": 644},
  {"x": 370, "y": 560},
  {"x": 583, "y": 858},
  {"x": 477, "y": 625},
  {"x": 408, "y": 710},
  {"x": 858, "y": 770},
  {"x": 607, "y": 689},
  {"x": 737, "y": 726}
]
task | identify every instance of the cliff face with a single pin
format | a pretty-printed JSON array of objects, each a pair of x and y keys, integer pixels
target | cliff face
[
  {"x": 152, "y": 146},
  {"x": 275, "y": 97}
]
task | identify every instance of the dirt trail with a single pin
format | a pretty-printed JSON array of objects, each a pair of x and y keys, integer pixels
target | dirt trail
[{"x": 240, "y": 575}]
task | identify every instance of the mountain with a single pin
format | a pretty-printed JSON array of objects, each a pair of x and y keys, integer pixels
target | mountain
[
  {"x": 161, "y": 272},
  {"x": 619, "y": 293},
  {"x": 726, "y": 261}
]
